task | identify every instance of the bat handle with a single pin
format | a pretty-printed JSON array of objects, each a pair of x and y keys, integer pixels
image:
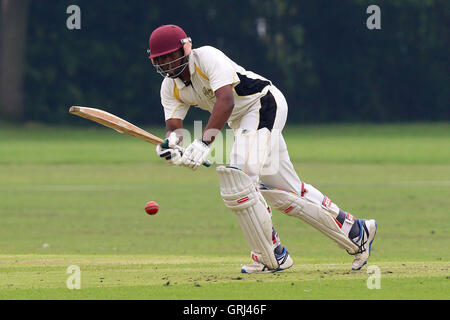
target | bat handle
[
  {"x": 207, "y": 164},
  {"x": 165, "y": 145}
]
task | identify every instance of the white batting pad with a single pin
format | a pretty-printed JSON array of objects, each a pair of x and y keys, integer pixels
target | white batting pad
[
  {"x": 310, "y": 210},
  {"x": 243, "y": 198}
]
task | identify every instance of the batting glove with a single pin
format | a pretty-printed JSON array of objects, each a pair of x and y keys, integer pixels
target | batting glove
[
  {"x": 170, "y": 151},
  {"x": 195, "y": 154}
]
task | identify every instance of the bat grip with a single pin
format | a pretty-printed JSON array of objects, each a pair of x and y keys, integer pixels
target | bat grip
[
  {"x": 165, "y": 144},
  {"x": 207, "y": 164}
]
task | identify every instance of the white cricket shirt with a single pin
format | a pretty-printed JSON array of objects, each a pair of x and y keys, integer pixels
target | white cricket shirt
[{"x": 210, "y": 70}]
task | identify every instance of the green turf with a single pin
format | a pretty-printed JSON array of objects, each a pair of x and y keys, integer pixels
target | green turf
[
  {"x": 189, "y": 277},
  {"x": 77, "y": 195}
]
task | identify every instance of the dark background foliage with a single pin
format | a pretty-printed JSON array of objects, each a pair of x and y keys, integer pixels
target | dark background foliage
[{"x": 320, "y": 53}]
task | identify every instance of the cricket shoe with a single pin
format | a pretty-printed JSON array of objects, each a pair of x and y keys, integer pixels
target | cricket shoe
[
  {"x": 368, "y": 229},
  {"x": 284, "y": 262}
]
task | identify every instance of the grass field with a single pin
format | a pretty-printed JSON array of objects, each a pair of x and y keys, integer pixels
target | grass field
[{"x": 76, "y": 196}]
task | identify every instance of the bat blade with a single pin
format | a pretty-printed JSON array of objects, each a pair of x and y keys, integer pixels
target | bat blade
[{"x": 114, "y": 122}]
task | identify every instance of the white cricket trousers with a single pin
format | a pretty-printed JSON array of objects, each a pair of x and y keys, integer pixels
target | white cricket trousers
[
  {"x": 260, "y": 151},
  {"x": 259, "y": 148}
]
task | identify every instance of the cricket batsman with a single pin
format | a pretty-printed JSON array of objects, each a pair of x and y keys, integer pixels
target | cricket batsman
[{"x": 260, "y": 168}]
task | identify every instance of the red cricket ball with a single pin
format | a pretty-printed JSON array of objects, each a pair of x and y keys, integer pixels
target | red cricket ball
[{"x": 151, "y": 208}]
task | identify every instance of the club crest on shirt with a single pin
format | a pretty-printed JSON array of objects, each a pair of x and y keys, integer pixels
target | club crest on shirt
[{"x": 208, "y": 93}]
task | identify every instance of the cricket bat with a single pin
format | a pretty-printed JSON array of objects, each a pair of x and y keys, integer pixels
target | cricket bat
[
  {"x": 109, "y": 120},
  {"x": 114, "y": 122}
]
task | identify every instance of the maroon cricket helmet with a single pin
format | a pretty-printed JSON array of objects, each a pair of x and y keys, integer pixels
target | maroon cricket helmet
[{"x": 166, "y": 39}]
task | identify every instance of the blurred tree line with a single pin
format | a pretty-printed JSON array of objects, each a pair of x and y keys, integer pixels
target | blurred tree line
[{"x": 320, "y": 53}]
